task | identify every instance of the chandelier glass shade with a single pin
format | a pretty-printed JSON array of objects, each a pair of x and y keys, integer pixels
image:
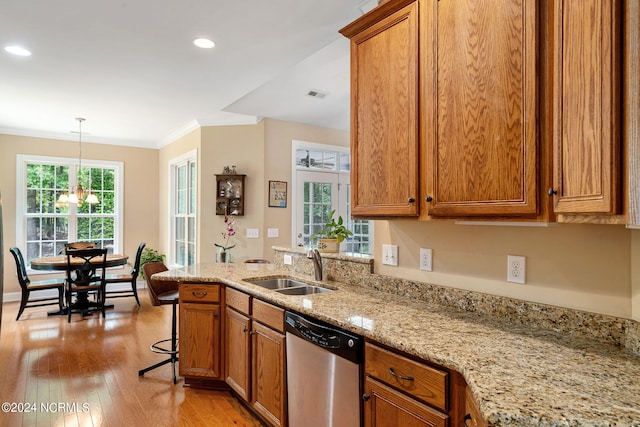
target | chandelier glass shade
[{"x": 78, "y": 194}]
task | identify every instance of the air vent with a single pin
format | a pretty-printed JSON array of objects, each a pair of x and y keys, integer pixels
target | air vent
[{"x": 317, "y": 94}]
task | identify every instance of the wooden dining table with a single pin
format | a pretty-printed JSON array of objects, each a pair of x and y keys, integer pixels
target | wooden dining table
[{"x": 59, "y": 263}]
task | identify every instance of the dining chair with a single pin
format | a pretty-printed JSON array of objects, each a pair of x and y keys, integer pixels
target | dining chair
[
  {"x": 131, "y": 278},
  {"x": 162, "y": 292},
  {"x": 77, "y": 245},
  {"x": 84, "y": 277},
  {"x": 27, "y": 287}
]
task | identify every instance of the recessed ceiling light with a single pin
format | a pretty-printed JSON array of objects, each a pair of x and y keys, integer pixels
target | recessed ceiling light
[
  {"x": 17, "y": 50},
  {"x": 204, "y": 43}
]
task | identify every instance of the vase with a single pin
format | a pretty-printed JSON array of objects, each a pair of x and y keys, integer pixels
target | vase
[
  {"x": 328, "y": 245},
  {"x": 223, "y": 255}
]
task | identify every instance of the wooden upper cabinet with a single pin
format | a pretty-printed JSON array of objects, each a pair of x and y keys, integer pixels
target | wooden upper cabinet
[
  {"x": 478, "y": 95},
  {"x": 384, "y": 111},
  {"x": 587, "y": 121}
]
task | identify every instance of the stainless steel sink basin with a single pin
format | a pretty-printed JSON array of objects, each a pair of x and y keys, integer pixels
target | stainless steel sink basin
[
  {"x": 278, "y": 283},
  {"x": 303, "y": 290},
  {"x": 288, "y": 286}
]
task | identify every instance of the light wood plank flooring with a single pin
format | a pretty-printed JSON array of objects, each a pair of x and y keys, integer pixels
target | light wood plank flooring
[{"x": 85, "y": 373}]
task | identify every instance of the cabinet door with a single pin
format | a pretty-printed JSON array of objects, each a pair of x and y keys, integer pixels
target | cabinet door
[
  {"x": 268, "y": 396},
  {"x": 200, "y": 340},
  {"x": 587, "y": 119},
  {"x": 479, "y": 98},
  {"x": 472, "y": 417},
  {"x": 237, "y": 342},
  {"x": 384, "y": 116},
  {"x": 385, "y": 407}
]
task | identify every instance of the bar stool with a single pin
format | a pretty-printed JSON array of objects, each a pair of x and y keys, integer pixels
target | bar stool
[{"x": 162, "y": 293}]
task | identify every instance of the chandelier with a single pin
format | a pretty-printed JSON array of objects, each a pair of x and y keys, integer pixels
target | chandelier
[{"x": 77, "y": 193}]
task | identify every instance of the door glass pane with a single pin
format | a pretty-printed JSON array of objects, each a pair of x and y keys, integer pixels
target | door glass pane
[{"x": 317, "y": 206}]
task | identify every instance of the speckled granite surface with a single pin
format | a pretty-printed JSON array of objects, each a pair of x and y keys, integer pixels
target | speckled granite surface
[{"x": 521, "y": 373}]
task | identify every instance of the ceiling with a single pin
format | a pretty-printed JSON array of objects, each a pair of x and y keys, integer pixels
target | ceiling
[{"x": 130, "y": 68}]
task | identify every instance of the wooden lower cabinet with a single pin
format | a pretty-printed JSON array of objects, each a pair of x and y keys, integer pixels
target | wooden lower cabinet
[
  {"x": 268, "y": 395},
  {"x": 200, "y": 328},
  {"x": 386, "y": 407},
  {"x": 237, "y": 344},
  {"x": 255, "y": 355}
]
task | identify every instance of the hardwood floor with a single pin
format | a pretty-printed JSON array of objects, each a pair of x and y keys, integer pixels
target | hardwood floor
[{"x": 85, "y": 373}]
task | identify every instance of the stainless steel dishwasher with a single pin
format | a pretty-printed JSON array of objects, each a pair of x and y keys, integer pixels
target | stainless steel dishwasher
[{"x": 324, "y": 366}]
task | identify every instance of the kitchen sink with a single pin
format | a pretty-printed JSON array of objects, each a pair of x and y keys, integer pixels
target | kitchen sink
[
  {"x": 303, "y": 290},
  {"x": 288, "y": 286},
  {"x": 277, "y": 283}
]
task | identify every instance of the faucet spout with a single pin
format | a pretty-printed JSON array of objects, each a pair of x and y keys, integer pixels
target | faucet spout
[{"x": 314, "y": 255}]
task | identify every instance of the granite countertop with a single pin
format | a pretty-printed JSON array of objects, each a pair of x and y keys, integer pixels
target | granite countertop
[{"x": 520, "y": 376}]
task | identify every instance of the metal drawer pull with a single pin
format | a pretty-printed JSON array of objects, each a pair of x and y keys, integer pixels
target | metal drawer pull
[
  {"x": 199, "y": 294},
  {"x": 467, "y": 418},
  {"x": 402, "y": 377}
]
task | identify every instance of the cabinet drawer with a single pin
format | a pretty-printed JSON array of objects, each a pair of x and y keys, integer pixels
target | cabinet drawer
[
  {"x": 414, "y": 378},
  {"x": 268, "y": 314},
  {"x": 238, "y": 300},
  {"x": 200, "y": 293}
]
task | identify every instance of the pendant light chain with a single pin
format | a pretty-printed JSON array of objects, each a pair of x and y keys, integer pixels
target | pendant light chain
[{"x": 80, "y": 120}]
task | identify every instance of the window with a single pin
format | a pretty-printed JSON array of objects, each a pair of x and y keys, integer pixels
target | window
[
  {"x": 45, "y": 226},
  {"x": 184, "y": 197},
  {"x": 321, "y": 184}
]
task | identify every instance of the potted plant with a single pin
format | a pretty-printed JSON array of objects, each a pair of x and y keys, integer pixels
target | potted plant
[
  {"x": 150, "y": 255},
  {"x": 223, "y": 253},
  {"x": 332, "y": 234}
]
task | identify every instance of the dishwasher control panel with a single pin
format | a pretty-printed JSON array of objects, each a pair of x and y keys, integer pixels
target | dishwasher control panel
[{"x": 338, "y": 341}]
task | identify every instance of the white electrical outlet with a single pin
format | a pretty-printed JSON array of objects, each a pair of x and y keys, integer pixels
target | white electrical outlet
[
  {"x": 426, "y": 259},
  {"x": 390, "y": 254},
  {"x": 253, "y": 233},
  {"x": 516, "y": 269},
  {"x": 288, "y": 259}
]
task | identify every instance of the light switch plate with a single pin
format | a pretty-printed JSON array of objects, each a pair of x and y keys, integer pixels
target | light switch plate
[
  {"x": 390, "y": 255},
  {"x": 252, "y": 233},
  {"x": 288, "y": 259},
  {"x": 272, "y": 232}
]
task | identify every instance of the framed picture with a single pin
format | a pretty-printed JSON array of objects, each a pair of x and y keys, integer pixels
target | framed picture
[{"x": 277, "y": 194}]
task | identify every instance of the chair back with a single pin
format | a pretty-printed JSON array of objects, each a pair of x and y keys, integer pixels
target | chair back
[
  {"x": 79, "y": 245},
  {"x": 257, "y": 261},
  {"x": 20, "y": 267},
  {"x": 136, "y": 265},
  {"x": 92, "y": 269},
  {"x": 157, "y": 287}
]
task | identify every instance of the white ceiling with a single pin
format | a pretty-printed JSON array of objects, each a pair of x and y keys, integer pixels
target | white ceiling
[{"x": 129, "y": 66}]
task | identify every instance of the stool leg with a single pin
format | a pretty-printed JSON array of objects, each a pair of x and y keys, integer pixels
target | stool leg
[
  {"x": 174, "y": 347},
  {"x": 174, "y": 341}
]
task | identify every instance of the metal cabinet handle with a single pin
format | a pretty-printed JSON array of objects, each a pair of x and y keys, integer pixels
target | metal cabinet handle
[
  {"x": 245, "y": 329},
  {"x": 465, "y": 419},
  {"x": 402, "y": 377},
  {"x": 366, "y": 397},
  {"x": 551, "y": 192},
  {"x": 429, "y": 199},
  {"x": 199, "y": 294},
  {"x": 411, "y": 200}
]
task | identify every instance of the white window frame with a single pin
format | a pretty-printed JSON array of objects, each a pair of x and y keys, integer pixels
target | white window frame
[
  {"x": 21, "y": 193},
  {"x": 184, "y": 159}
]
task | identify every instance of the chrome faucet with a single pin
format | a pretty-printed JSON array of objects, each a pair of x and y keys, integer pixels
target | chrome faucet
[{"x": 314, "y": 255}]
